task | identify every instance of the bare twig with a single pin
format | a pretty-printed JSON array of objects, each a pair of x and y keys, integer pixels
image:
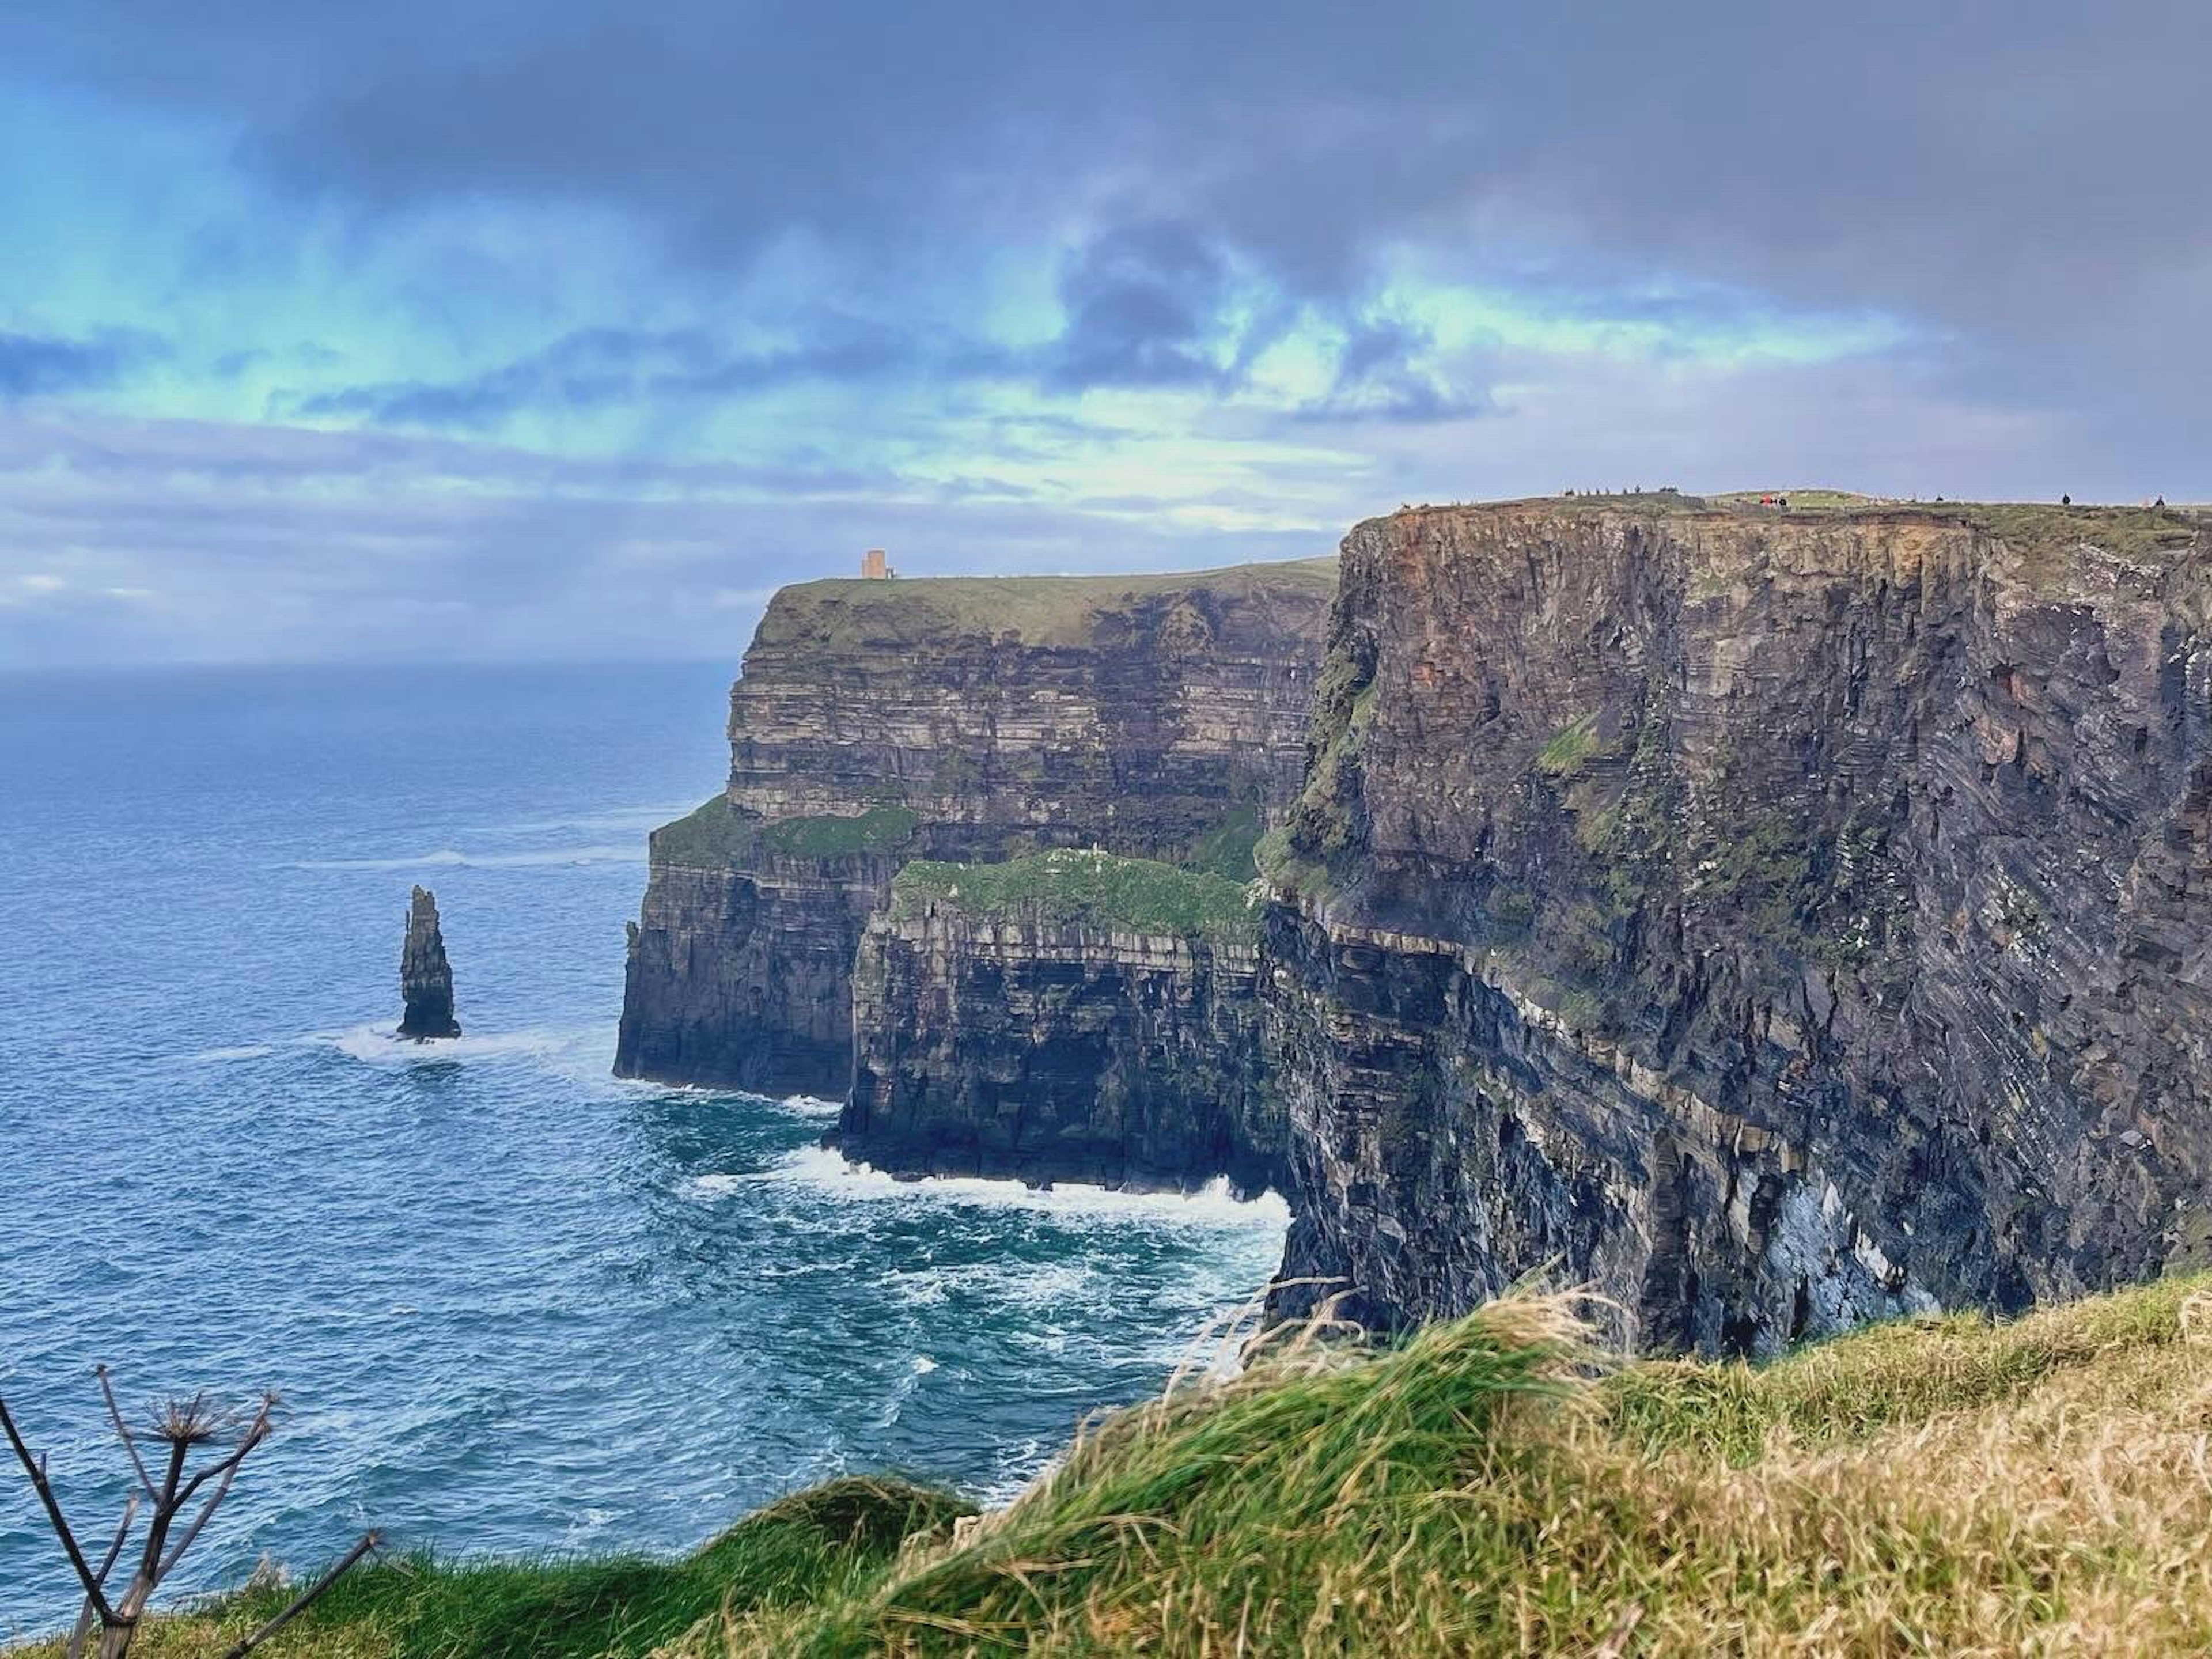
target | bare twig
[
  {"x": 36, "y": 1469},
  {"x": 185, "y": 1538},
  {"x": 165, "y": 1512},
  {"x": 90, "y": 1616},
  {"x": 346, "y": 1564},
  {"x": 123, "y": 1431}
]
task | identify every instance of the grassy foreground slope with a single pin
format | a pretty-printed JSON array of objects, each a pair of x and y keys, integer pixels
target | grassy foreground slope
[{"x": 1493, "y": 1485}]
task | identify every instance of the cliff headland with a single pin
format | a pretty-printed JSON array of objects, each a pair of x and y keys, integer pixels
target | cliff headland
[{"x": 1779, "y": 918}]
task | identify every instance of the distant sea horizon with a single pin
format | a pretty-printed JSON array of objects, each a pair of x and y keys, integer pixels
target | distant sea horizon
[{"x": 514, "y": 1305}]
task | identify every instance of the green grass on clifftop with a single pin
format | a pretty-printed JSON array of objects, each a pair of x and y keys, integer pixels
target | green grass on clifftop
[
  {"x": 1132, "y": 895},
  {"x": 1496, "y": 1485},
  {"x": 1039, "y": 611}
]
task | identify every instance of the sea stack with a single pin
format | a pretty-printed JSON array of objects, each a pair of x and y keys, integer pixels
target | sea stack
[{"x": 426, "y": 980}]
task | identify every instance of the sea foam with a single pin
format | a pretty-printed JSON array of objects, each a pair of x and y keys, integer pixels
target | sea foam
[{"x": 834, "y": 1175}]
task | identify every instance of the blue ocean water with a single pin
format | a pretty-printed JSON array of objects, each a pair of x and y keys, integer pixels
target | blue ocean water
[{"x": 514, "y": 1305}]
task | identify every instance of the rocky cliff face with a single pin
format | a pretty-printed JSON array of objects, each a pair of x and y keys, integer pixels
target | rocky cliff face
[
  {"x": 1778, "y": 919},
  {"x": 426, "y": 979},
  {"x": 1033, "y": 1037},
  {"x": 973, "y": 718}
]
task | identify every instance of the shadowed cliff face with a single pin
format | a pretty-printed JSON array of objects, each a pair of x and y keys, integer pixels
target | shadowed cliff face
[
  {"x": 1779, "y": 920},
  {"x": 1027, "y": 1046},
  {"x": 973, "y": 718}
]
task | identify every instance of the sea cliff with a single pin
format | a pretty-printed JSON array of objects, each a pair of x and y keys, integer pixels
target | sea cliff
[
  {"x": 1068, "y": 1016},
  {"x": 971, "y": 719},
  {"x": 1777, "y": 919}
]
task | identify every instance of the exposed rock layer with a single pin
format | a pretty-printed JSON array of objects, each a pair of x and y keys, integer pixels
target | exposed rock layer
[
  {"x": 972, "y": 719},
  {"x": 1031, "y": 1046},
  {"x": 426, "y": 979},
  {"x": 1775, "y": 919}
]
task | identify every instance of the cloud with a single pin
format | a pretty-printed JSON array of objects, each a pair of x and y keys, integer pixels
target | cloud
[
  {"x": 36, "y": 366},
  {"x": 1381, "y": 376},
  {"x": 1144, "y": 306},
  {"x": 778, "y": 279}
]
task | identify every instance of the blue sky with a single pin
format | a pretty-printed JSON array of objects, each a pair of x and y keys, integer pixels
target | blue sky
[{"x": 568, "y": 329}]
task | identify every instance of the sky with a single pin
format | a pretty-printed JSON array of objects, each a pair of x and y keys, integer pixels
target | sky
[{"x": 566, "y": 329}]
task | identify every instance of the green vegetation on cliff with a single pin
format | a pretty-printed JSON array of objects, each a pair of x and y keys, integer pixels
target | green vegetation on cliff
[
  {"x": 718, "y": 837},
  {"x": 1131, "y": 895},
  {"x": 1037, "y": 611},
  {"x": 878, "y": 829},
  {"x": 1495, "y": 1485},
  {"x": 714, "y": 837}
]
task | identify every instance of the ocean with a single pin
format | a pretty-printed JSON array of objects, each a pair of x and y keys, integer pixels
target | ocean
[{"x": 512, "y": 1305}]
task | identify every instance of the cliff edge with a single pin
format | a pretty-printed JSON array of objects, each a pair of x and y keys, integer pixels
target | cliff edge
[{"x": 1779, "y": 920}]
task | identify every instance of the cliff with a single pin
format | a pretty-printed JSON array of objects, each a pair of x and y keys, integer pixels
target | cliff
[
  {"x": 1778, "y": 919},
  {"x": 960, "y": 718},
  {"x": 426, "y": 979},
  {"x": 1068, "y": 1016}
]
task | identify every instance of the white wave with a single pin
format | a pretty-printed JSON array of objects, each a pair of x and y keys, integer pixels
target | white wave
[
  {"x": 923, "y": 1365},
  {"x": 706, "y": 1189},
  {"x": 447, "y": 858},
  {"x": 217, "y": 1056},
  {"x": 381, "y": 1045},
  {"x": 1015, "y": 1284},
  {"x": 829, "y": 1172},
  {"x": 810, "y": 1106}
]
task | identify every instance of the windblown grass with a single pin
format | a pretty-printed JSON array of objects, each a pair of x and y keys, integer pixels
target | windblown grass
[
  {"x": 1500, "y": 1484},
  {"x": 1951, "y": 1488}
]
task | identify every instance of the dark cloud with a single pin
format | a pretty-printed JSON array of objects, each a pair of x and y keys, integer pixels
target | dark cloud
[
  {"x": 2029, "y": 170},
  {"x": 36, "y": 365},
  {"x": 1144, "y": 305},
  {"x": 1379, "y": 377}
]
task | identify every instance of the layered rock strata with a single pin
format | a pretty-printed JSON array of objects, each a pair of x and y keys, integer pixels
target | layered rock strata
[
  {"x": 1775, "y": 919},
  {"x": 426, "y": 978},
  {"x": 1017, "y": 1021},
  {"x": 967, "y": 719}
]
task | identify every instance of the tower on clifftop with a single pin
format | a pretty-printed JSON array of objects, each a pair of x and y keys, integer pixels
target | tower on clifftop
[{"x": 873, "y": 568}]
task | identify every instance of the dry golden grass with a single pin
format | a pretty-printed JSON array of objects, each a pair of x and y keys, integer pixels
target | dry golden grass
[{"x": 1950, "y": 1488}]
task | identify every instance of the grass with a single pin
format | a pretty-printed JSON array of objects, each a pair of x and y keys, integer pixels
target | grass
[
  {"x": 714, "y": 837},
  {"x": 1949, "y": 1488},
  {"x": 717, "y": 835},
  {"x": 1132, "y": 895},
  {"x": 1499, "y": 1483},
  {"x": 829, "y": 1541},
  {"x": 1571, "y": 747},
  {"x": 878, "y": 829},
  {"x": 1226, "y": 850},
  {"x": 1037, "y": 611}
]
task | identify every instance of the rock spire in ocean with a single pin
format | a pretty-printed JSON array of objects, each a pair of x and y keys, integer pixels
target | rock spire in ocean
[{"x": 426, "y": 979}]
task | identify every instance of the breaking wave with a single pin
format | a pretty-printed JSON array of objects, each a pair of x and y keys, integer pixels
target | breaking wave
[{"x": 834, "y": 1175}]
